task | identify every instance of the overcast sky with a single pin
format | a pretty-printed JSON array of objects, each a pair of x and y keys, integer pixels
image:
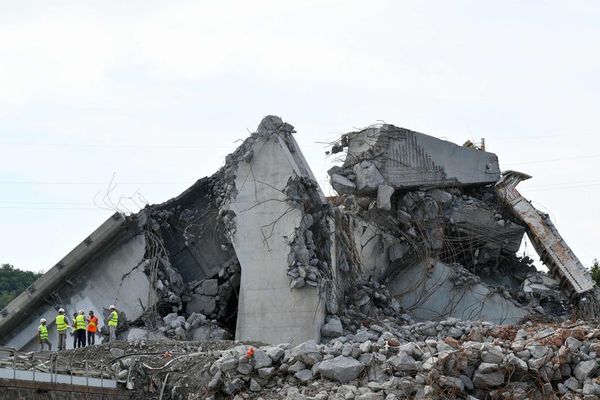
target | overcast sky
[{"x": 158, "y": 93}]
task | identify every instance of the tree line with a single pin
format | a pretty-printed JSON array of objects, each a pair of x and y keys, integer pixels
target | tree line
[{"x": 13, "y": 281}]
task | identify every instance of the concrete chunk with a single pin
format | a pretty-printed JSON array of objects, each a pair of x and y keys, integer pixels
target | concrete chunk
[
  {"x": 368, "y": 177},
  {"x": 585, "y": 369},
  {"x": 384, "y": 197},
  {"x": 342, "y": 185},
  {"x": 209, "y": 287},
  {"x": 307, "y": 352},
  {"x": 403, "y": 362},
  {"x": 304, "y": 375},
  {"x": 488, "y": 380},
  {"x": 202, "y": 304},
  {"x": 341, "y": 369},
  {"x": 333, "y": 328}
]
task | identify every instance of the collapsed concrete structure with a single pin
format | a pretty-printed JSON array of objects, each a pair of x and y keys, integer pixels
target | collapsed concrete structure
[{"x": 422, "y": 229}]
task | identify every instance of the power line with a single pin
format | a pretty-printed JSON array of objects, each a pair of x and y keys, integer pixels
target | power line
[
  {"x": 519, "y": 138},
  {"x": 115, "y": 145},
  {"x": 55, "y": 208},
  {"x": 553, "y": 184},
  {"x": 44, "y": 202},
  {"x": 87, "y": 183},
  {"x": 557, "y": 159},
  {"x": 550, "y": 189}
]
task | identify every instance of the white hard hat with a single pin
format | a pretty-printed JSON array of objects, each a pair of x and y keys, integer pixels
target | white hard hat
[
  {"x": 81, "y": 312},
  {"x": 43, "y": 320},
  {"x": 112, "y": 307},
  {"x": 61, "y": 310}
]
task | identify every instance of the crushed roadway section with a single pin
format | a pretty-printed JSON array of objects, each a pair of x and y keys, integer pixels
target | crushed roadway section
[{"x": 405, "y": 284}]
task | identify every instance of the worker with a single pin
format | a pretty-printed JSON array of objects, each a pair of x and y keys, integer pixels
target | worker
[
  {"x": 62, "y": 324},
  {"x": 43, "y": 335},
  {"x": 92, "y": 327},
  {"x": 113, "y": 322},
  {"x": 74, "y": 330},
  {"x": 80, "y": 328}
]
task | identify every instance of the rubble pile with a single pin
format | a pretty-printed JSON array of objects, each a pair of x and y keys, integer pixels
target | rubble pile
[
  {"x": 433, "y": 360},
  {"x": 213, "y": 296},
  {"x": 368, "y": 303},
  {"x": 309, "y": 259},
  {"x": 200, "y": 313},
  {"x": 448, "y": 359}
]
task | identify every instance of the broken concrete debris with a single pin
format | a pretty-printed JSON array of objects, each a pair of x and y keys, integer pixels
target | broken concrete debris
[
  {"x": 379, "y": 288},
  {"x": 447, "y": 359}
]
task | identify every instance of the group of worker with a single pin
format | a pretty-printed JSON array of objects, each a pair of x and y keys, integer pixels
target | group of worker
[{"x": 79, "y": 326}]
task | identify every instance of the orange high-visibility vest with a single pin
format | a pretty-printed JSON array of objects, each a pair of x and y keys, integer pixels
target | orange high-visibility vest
[{"x": 92, "y": 324}]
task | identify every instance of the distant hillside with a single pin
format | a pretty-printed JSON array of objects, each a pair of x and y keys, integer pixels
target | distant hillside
[{"x": 13, "y": 281}]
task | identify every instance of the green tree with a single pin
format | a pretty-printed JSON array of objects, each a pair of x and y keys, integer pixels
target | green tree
[
  {"x": 595, "y": 271},
  {"x": 13, "y": 281}
]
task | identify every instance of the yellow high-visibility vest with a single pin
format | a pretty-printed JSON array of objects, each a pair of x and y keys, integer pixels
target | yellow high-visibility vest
[
  {"x": 61, "y": 323},
  {"x": 80, "y": 322},
  {"x": 114, "y": 318},
  {"x": 43, "y": 330}
]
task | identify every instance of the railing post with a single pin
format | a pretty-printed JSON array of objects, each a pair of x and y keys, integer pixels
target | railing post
[{"x": 14, "y": 365}]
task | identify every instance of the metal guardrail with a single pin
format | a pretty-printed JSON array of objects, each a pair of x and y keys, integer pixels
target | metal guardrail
[{"x": 50, "y": 368}]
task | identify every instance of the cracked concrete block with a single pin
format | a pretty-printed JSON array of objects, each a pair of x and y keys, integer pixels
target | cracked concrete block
[
  {"x": 135, "y": 334},
  {"x": 342, "y": 369},
  {"x": 342, "y": 185},
  {"x": 208, "y": 332},
  {"x": 368, "y": 177},
  {"x": 384, "y": 197},
  {"x": 397, "y": 251},
  {"x": 209, "y": 287},
  {"x": 202, "y": 304},
  {"x": 333, "y": 328},
  {"x": 585, "y": 369}
]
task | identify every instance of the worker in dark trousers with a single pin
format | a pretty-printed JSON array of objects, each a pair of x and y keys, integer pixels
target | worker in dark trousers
[
  {"x": 74, "y": 330},
  {"x": 80, "y": 328},
  {"x": 92, "y": 327}
]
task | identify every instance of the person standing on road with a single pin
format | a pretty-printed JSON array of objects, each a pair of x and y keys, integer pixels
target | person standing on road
[
  {"x": 43, "y": 335},
  {"x": 80, "y": 328},
  {"x": 92, "y": 327},
  {"x": 113, "y": 322},
  {"x": 62, "y": 324}
]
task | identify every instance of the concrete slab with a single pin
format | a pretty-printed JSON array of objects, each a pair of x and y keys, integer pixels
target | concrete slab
[
  {"x": 109, "y": 279},
  {"x": 426, "y": 290},
  {"x": 409, "y": 159}
]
